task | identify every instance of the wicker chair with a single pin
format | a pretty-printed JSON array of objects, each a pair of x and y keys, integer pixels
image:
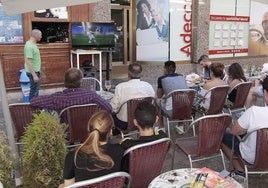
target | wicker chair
[
  {"x": 206, "y": 144},
  {"x": 242, "y": 90},
  {"x": 131, "y": 107},
  {"x": 182, "y": 101},
  {"x": 91, "y": 83},
  {"x": 145, "y": 161},
  {"x": 21, "y": 115},
  {"x": 77, "y": 118},
  {"x": 113, "y": 180},
  {"x": 217, "y": 100}
]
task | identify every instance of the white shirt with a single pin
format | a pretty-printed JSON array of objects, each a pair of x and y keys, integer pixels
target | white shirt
[
  {"x": 253, "y": 118},
  {"x": 133, "y": 88}
]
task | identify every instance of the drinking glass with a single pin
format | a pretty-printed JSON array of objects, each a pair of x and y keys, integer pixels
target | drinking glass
[{"x": 107, "y": 85}]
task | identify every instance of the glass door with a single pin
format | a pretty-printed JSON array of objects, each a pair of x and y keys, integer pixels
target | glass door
[{"x": 121, "y": 17}]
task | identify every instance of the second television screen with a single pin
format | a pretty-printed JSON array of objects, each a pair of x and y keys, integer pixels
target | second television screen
[{"x": 92, "y": 34}]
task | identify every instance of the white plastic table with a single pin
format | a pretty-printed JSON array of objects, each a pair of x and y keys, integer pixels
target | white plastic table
[
  {"x": 182, "y": 178},
  {"x": 79, "y": 52}
]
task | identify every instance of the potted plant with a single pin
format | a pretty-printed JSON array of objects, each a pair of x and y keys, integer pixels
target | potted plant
[
  {"x": 6, "y": 162},
  {"x": 44, "y": 151}
]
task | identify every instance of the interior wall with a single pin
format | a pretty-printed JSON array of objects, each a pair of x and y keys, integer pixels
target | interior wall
[{"x": 102, "y": 11}]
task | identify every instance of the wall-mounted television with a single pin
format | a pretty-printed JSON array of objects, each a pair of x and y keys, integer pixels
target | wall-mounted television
[{"x": 92, "y": 34}]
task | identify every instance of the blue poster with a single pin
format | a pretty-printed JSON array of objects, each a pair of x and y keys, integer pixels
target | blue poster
[{"x": 10, "y": 28}]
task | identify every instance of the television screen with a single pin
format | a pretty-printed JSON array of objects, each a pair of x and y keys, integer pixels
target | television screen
[{"x": 92, "y": 34}]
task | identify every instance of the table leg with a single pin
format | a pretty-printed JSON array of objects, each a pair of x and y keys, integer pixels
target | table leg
[
  {"x": 100, "y": 65},
  {"x": 77, "y": 61}
]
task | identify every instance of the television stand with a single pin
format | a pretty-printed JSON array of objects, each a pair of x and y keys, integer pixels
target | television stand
[{"x": 79, "y": 52}]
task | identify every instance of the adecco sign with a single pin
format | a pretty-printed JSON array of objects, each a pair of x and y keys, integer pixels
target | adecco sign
[{"x": 180, "y": 29}]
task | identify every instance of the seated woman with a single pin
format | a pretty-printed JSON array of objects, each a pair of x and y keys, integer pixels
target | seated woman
[
  {"x": 95, "y": 157},
  {"x": 216, "y": 73},
  {"x": 236, "y": 75}
]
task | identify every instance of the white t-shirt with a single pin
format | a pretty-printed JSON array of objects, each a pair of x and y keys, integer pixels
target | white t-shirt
[
  {"x": 254, "y": 118},
  {"x": 125, "y": 91}
]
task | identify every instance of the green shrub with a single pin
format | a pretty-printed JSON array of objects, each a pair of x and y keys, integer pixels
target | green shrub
[
  {"x": 44, "y": 151},
  {"x": 6, "y": 162}
]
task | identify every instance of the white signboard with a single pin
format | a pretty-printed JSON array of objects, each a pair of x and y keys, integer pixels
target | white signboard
[{"x": 229, "y": 26}]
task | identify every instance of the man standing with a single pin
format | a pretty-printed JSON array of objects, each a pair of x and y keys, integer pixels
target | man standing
[
  {"x": 253, "y": 118},
  {"x": 33, "y": 62},
  {"x": 133, "y": 88}
]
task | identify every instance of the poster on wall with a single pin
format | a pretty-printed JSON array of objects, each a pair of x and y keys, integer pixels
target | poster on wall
[
  {"x": 181, "y": 30},
  {"x": 228, "y": 28},
  {"x": 152, "y": 30},
  {"x": 10, "y": 28},
  {"x": 258, "y": 28}
]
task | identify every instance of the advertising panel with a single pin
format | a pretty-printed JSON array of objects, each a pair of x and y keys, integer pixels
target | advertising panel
[
  {"x": 10, "y": 28},
  {"x": 152, "y": 34},
  {"x": 258, "y": 28},
  {"x": 228, "y": 29}
]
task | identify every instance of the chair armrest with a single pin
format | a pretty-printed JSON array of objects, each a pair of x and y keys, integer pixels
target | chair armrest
[
  {"x": 243, "y": 137},
  {"x": 120, "y": 107},
  {"x": 121, "y": 132}
]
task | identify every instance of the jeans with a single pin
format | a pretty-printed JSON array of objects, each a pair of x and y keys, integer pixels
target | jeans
[
  {"x": 34, "y": 88},
  {"x": 119, "y": 124}
]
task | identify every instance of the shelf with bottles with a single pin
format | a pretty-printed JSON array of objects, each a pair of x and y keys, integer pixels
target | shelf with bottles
[{"x": 53, "y": 32}]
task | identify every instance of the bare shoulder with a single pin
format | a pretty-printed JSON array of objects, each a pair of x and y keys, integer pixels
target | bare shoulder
[{"x": 234, "y": 83}]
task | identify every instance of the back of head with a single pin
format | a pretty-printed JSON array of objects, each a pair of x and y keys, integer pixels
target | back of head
[
  {"x": 73, "y": 78},
  {"x": 236, "y": 72},
  {"x": 217, "y": 69},
  {"x": 170, "y": 66},
  {"x": 145, "y": 114},
  {"x": 203, "y": 58},
  {"x": 101, "y": 123},
  {"x": 99, "y": 128},
  {"x": 134, "y": 70},
  {"x": 35, "y": 33}
]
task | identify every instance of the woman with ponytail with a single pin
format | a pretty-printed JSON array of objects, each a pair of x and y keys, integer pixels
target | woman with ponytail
[{"x": 95, "y": 157}]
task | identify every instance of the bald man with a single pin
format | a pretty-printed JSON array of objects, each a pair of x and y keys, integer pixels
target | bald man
[
  {"x": 260, "y": 46},
  {"x": 32, "y": 62}
]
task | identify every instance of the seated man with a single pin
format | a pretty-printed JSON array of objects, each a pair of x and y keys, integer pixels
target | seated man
[
  {"x": 205, "y": 62},
  {"x": 133, "y": 88},
  {"x": 145, "y": 119},
  {"x": 72, "y": 95},
  {"x": 254, "y": 117},
  {"x": 167, "y": 83}
]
